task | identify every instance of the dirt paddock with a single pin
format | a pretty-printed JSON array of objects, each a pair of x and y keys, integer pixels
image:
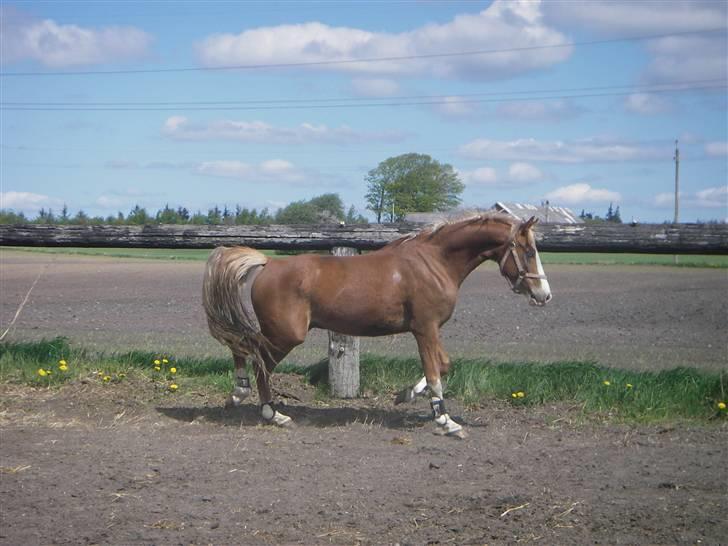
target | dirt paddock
[{"x": 87, "y": 465}]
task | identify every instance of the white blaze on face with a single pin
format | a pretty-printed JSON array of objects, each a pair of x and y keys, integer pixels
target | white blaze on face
[{"x": 544, "y": 283}]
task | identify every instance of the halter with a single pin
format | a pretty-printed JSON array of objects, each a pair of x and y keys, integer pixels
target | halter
[{"x": 523, "y": 272}]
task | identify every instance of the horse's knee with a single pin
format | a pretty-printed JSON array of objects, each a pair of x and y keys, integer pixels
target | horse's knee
[{"x": 444, "y": 366}]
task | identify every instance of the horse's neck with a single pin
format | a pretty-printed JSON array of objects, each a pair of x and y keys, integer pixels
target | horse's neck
[{"x": 466, "y": 248}]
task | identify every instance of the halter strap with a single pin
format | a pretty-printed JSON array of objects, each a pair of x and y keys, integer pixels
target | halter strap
[{"x": 523, "y": 272}]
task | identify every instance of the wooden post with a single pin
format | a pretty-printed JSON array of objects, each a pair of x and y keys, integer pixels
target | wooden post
[{"x": 343, "y": 353}]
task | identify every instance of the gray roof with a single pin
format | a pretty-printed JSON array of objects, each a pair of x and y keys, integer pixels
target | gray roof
[{"x": 546, "y": 213}]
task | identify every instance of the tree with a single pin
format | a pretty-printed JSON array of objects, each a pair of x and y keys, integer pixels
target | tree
[
  {"x": 411, "y": 183},
  {"x": 613, "y": 215},
  {"x": 326, "y": 208},
  {"x": 138, "y": 216}
]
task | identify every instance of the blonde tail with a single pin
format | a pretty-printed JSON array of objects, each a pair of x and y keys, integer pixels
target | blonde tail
[{"x": 226, "y": 297}]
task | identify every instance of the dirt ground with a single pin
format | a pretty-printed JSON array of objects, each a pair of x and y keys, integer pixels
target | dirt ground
[{"x": 90, "y": 464}]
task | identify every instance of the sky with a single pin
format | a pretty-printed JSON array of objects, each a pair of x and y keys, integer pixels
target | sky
[{"x": 108, "y": 105}]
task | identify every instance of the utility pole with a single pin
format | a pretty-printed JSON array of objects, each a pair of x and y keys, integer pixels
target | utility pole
[
  {"x": 677, "y": 181},
  {"x": 676, "y": 260}
]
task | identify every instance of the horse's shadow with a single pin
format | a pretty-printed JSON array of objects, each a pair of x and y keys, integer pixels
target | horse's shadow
[{"x": 248, "y": 415}]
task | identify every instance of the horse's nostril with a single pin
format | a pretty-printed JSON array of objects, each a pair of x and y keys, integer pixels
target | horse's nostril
[{"x": 548, "y": 298}]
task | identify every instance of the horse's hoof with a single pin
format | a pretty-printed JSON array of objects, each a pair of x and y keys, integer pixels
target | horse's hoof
[
  {"x": 407, "y": 395},
  {"x": 460, "y": 434},
  {"x": 232, "y": 402}
]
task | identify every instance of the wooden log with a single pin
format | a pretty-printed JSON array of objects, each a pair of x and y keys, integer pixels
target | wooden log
[
  {"x": 343, "y": 353},
  {"x": 603, "y": 237}
]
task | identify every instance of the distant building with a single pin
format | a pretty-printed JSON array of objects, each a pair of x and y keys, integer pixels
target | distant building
[{"x": 546, "y": 213}]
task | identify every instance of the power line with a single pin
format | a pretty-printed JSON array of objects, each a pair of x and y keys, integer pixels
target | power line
[
  {"x": 354, "y": 61},
  {"x": 448, "y": 97},
  {"x": 342, "y": 105}
]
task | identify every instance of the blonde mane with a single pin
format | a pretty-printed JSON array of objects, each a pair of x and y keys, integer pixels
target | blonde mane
[{"x": 452, "y": 224}]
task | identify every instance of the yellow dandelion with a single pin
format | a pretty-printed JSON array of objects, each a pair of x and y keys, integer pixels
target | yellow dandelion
[
  {"x": 721, "y": 405},
  {"x": 606, "y": 383},
  {"x": 514, "y": 395},
  {"x": 157, "y": 362},
  {"x": 63, "y": 367},
  {"x": 42, "y": 372},
  {"x": 121, "y": 375},
  {"x": 173, "y": 370},
  {"x": 157, "y": 368},
  {"x": 165, "y": 361},
  {"x": 107, "y": 378},
  {"x": 629, "y": 385},
  {"x": 173, "y": 387},
  {"x": 520, "y": 394},
  {"x": 62, "y": 362}
]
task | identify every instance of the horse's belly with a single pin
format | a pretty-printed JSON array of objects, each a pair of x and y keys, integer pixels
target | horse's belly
[{"x": 360, "y": 320}]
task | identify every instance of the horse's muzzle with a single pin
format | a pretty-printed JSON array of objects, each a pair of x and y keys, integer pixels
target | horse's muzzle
[{"x": 539, "y": 302}]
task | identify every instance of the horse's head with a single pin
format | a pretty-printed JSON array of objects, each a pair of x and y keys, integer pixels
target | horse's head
[{"x": 521, "y": 265}]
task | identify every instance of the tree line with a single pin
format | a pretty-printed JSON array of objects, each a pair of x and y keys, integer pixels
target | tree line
[{"x": 326, "y": 208}]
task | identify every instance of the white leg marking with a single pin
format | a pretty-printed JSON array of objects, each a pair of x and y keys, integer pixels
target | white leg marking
[
  {"x": 446, "y": 424},
  {"x": 420, "y": 387},
  {"x": 274, "y": 416}
]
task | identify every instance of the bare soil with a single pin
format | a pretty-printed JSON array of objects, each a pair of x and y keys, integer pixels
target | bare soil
[{"x": 129, "y": 463}]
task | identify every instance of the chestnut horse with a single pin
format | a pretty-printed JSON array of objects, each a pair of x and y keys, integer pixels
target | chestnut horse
[{"x": 262, "y": 309}]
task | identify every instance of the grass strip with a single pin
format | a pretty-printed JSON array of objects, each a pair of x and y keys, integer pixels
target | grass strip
[
  {"x": 677, "y": 394},
  {"x": 548, "y": 258}
]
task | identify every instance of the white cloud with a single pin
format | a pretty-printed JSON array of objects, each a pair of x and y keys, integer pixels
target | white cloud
[
  {"x": 582, "y": 193},
  {"x": 686, "y": 58},
  {"x": 709, "y": 198},
  {"x": 456, "y": 107},
  {"x": 27, "y": 202},
  {"x": 503, "y": 25},
  {"x": 716, "y": 149},
  {"x": 273, "y": 170},
  {"x": 580, "y": 151},
  {"x": 519, "y": 173},
  {"x": 179, "y": 128},
  {"x": 630, "y": 18},
  {"x": 58, "y": 46},
  {"x": 682, "y": 58},
  {"x": 374, "y": 87},
  {"x": 524, "y": 172},
  {"x": 646, "y": 104},
  {"x": 482, "y": 176},
  {"x": 536, "y": 110}
]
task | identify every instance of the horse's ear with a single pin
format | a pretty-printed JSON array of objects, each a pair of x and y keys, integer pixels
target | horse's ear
[{"x": 528, "y": 224}]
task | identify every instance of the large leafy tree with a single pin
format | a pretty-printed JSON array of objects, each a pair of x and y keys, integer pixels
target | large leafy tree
[{"x": 411, "y": 183}]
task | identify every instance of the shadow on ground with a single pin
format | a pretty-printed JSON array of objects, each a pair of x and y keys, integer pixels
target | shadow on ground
[{"x": 249, "y": 416}]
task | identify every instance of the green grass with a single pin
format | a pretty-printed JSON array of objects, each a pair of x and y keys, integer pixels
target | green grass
[
  {"x": 684, "y": 260},
  {"x": 678, "y": 394},
  {"x": 576, "y": 258}
]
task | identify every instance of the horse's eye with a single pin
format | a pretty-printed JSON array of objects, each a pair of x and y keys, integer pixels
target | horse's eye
[{"x": 530, "y": 252}]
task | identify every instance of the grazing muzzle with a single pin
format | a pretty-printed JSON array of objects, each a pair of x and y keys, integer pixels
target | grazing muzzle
[{"x": 533, "y": 285}]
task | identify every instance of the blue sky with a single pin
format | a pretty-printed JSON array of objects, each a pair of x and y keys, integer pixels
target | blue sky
[{"x": 580, "y": 103}]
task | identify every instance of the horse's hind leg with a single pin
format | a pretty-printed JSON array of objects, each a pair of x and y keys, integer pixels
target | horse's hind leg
[
  {"x": 242, "y": 389},
  {"x": 268, "y": 409},
  {"x": 410, "y": 393}
]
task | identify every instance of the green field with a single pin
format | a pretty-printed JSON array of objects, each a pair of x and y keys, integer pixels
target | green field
[
  {"x": 576, "y": 258},
  {"x": 600, "y": 392}
]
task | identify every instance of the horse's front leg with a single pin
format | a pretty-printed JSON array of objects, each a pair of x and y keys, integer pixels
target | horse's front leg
[{"x": 435, "y": 360}]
